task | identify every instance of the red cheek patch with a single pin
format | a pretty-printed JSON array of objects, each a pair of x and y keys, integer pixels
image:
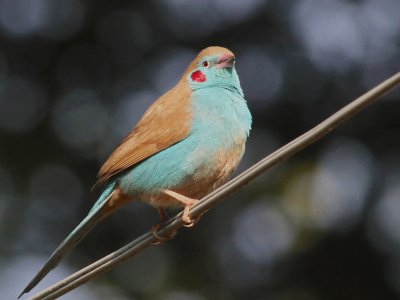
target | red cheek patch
[{"x": 198, "y": 76}]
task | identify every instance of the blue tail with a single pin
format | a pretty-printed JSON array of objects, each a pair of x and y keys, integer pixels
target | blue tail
[{"x": 95, "y": 215}]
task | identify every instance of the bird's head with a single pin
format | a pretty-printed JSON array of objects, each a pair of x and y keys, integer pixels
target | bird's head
[{"x": 213, "y": 66}]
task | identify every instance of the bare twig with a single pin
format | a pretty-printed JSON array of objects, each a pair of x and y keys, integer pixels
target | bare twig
[{"x": 110, "y": 261}]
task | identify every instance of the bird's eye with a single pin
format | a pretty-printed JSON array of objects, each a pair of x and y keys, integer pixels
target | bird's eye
[{"x": 205, "y": 64}]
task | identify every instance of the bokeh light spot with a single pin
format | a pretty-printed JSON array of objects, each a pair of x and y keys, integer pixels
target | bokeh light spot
[
  {"x": 79, "y": 119},
  {"x": 385, "y": 222},
  {"x": 196, "y": 19},
  {"x": 262, "y": 234},
  {"x": 54, "y": 194},
  {"x": 157, "y": 261},
  {"x": 22, "y": 17},
  {"x": 63, "y": 19},
  {"x": 53, "y": 19},
  {"x": 330, "y": 33},
  {"x": 190, "y": 19},
  {"x": 22, "y": 105},
  {"x": 341, "y": 184},
  {"x": 333, "y": 193},
  {"x": 236, "y": 11},
  {"x": 261, "y": 76},
  {"x": 16, "y": 271}
]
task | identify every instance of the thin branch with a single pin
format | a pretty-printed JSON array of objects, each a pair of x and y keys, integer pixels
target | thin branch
[{"x": 110, "y": 261}]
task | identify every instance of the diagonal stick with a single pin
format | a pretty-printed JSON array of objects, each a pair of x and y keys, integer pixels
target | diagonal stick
[{"x": 110, "y": 261}]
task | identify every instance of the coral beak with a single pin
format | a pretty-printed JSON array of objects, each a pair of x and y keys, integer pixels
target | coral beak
[{"x": 225, "y": 60}]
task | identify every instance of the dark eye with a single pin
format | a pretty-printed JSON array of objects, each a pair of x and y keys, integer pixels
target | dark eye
[{"x": 205, "y": 64}]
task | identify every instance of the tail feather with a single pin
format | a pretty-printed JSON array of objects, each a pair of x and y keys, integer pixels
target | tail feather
[{"x": 95, "y": 215}]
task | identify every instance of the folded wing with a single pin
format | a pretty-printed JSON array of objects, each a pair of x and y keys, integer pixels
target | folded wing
[{"x": 166, "y": 122}]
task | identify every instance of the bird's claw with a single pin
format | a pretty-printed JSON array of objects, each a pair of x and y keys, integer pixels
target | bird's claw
[
  {"x": 154, "y": 229},
  {"x": 189, "y": 221},
  {"x": 159, "y": 240}
]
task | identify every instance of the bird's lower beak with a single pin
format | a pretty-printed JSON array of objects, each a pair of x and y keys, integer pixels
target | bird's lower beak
[{"x": 225, "y": 60}]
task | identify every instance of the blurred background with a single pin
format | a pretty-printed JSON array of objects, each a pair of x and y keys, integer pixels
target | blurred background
[{"x": 75, "y": 76}]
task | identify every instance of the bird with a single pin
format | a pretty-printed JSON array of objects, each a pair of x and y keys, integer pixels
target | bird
[{"x": 186, "y": 144}]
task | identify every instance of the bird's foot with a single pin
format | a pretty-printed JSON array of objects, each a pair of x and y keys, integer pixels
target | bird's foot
[
  {"x": 188, "y": 202},
  {"x": 189, "y": 221},
  {"x": 154, "y": 229},
  {"x": 161, "y": 239}
]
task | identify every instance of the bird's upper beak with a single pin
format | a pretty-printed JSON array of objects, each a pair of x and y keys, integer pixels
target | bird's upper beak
[{"x": 225, "y": 60}]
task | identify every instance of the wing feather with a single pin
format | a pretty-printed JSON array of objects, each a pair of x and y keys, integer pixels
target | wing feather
[{"x": 166, "y": 122}]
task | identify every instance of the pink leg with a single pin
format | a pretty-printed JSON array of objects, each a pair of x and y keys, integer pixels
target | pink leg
[
  {"x": 188, "y": 202},
  {"x": 156, "y": 227}
]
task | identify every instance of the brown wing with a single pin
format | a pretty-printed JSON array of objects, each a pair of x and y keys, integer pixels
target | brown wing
[{"x": 166, "y": 122}]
